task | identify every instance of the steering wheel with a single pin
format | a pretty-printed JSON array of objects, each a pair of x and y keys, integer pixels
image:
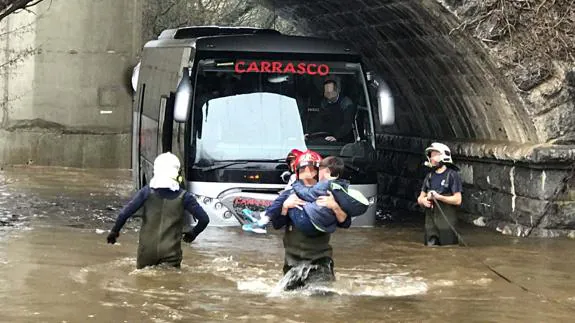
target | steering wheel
[{"x": 318, "y": 134}]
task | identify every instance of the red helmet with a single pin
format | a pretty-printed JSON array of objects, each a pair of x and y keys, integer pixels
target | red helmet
[
  {"x": 292, "y": 157},
  {"x": 308, "y": 158}
]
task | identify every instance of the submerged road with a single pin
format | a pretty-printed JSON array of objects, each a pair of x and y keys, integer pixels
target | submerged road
[{"x": 55, "y": 266}]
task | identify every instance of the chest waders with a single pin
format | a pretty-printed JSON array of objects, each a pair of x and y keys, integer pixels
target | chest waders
[
  {"x": 436, "y": 224},
  {"x": 310, "y": 257},
  {"x": 161, "y": 232}
]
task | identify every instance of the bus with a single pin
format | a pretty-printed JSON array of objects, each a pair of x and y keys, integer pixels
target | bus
[{"x": 231, "y": 102}]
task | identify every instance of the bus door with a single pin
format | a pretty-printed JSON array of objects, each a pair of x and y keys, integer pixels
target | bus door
[{"x": 165, "y": 123}]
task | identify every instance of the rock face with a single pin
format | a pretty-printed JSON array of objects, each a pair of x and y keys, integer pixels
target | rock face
[
  {"x": 492, "y": 79},
  {"x": 518, "y": 190},
  {"x": 533, "y": 44}
]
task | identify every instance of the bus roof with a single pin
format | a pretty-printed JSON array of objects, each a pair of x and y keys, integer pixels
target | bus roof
[
  {"x": 204, "y": 31},
  {"x": 260, "y": 43},
  {"x": 273, "y": 43}
]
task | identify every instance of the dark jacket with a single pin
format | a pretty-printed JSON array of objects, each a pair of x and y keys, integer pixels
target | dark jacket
[
  {"x": 190, "y": 204},
  {"x": 335, "y": 118}
]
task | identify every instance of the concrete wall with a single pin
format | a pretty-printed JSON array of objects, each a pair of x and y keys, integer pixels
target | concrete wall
[{"x": 73, "y": 94}]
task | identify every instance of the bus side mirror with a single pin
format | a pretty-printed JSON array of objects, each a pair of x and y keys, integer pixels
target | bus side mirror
[
  {"x": 183, "y": 97},
  {"x": 384, "y": 96}
]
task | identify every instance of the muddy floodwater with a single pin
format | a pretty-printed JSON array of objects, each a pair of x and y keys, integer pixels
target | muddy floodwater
[{"x": 55, "y": 266}]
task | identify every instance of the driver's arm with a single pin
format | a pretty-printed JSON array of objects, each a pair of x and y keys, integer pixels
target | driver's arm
[{"x": 348, "y": 109}]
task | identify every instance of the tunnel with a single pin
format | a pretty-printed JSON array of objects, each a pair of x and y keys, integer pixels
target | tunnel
[
  {"x": 512, "y": 135},
  {"x": 494, "y": 80}
]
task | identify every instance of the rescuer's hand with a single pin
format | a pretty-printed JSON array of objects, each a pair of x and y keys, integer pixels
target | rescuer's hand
[
  {"x": 293, "y": 201},
  {"x": 112, "y": 237},
  {"x": 427, "y": 203},
  {"x": 327, "y": 201},
  {"x": 423, "y": 201},
  {"x": 431, "y": 195}
]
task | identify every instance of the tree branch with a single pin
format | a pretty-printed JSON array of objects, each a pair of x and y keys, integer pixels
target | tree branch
[{"x": 8, "y": 7}]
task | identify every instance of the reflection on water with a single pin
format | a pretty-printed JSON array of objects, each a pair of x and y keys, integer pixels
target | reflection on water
[{"x": 56, "y": 272}]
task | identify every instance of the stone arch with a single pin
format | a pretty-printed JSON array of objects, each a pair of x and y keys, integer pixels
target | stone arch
[{"x": 448, "y": 86}]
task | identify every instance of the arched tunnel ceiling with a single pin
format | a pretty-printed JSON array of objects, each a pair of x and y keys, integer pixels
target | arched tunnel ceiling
[{"x": 444, "y": 84}]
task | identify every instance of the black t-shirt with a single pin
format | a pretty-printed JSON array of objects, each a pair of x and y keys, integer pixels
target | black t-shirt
[{"x": 446, "y": 183}]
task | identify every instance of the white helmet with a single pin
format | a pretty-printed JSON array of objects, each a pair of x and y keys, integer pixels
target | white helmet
[
  {"x": 166, "y": 172},
  {"x": 445, "y": 153},
  {"x": 167, "y": 162}
]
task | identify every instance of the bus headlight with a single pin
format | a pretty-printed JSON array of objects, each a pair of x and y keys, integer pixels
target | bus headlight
[{"x": 214, "y": 206}]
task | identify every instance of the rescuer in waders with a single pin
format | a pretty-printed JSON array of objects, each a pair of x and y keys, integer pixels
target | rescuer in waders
[
  {"x": 307, "y": 259},
  {"x": 164, "y": 203},
  {"x": 441, "y": 190}
]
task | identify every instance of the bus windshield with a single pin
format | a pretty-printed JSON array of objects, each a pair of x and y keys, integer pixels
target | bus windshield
[{"x": 259, "y": 110}]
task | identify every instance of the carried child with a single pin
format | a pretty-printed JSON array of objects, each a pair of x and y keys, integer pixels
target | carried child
[{"x": 313, "y": 218}]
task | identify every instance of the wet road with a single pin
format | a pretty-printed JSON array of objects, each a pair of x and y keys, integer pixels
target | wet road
[{"x": 55, "y": 266}]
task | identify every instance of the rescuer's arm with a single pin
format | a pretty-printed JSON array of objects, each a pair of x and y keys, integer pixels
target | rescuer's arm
[
  {"x": 343, "y": 221},
  {"x": 192, "y": 206},
  {"x": 277, "y": 211},
  {"x": 132, "y": 207}
]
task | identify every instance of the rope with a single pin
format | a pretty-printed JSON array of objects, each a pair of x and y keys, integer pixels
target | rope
[{"x": 507, "y": 279}]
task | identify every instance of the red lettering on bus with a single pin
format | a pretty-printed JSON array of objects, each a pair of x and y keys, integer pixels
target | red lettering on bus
[
  {"x": 276, "y": 67},
  {"x": 266, "y": 67},
  {"x": 301, "y": 68},
  {"x": 323, "y": 70},
  {"x": 309, "y": 70},
  {"x": 279, "y": 67},
  {"x": 289, "y": 68},
  {"x": 237, "y": 67},
  {"x": 242, "y": 201},
  {"x": 253, "y": 67}
]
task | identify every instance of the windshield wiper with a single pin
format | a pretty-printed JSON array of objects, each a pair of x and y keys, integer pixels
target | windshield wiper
[
  {"x": 279, "y": 160},
  {"x": 214, "y": 167},
  {"x": 227, "y": 163}
]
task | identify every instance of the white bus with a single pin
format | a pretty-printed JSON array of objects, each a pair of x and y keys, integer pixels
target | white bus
[{"x": 232, "y": 102}]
